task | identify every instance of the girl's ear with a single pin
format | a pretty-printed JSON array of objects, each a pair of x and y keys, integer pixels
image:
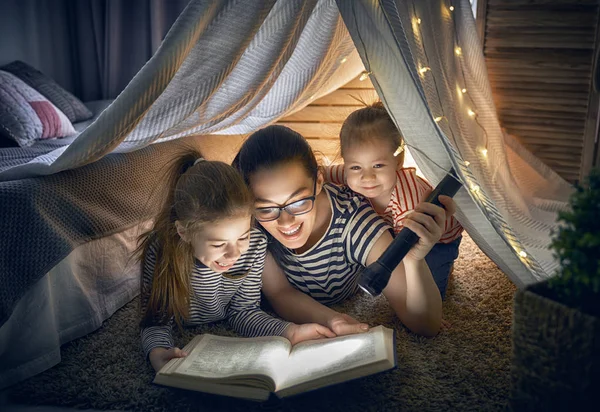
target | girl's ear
[{"x": 181, "y": 231}]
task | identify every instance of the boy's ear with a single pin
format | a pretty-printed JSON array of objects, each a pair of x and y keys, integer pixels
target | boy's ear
[{"x": 181, "y": 231}]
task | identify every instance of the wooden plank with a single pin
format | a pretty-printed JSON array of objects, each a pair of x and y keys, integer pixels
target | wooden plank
[
  {"x": 544, "y": 136},
  {"x": 540, "y": 127},
  {"x": 497, "y": 3},
  {"x": 481, "y": 19},
  {"x": 323, "y": 114},
  {"x": 517, "y": 87},
  {"x": 542, "y": 42},
  {"x": 540, "y": 109},
  {"x": 551, "y": 149},
  {"x": 315, "y": 130},
  {"x": 539, "y": 100},
  {"x": 517, "y": 73},
  {"x": 522, "y": 17},
  {"x": 539, "y": 113},
  {"x": 545, "y": 79},
  {"x": 557, "y": 140},
  {"x": 542, "y": 91},
  {"x": 541, "y": 31},
  {"x": 543, "y": 122},
  {"x": 358, "y": 84},
  {"x": 525, "y": 63},
  {"x": 347, "y": 98},
  {"x": 527, "y": 54}
]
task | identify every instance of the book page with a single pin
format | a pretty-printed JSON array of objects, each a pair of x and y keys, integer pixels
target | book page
[
  {"x": 314, "y": 359},
  {"x": 221, "y": 357}
]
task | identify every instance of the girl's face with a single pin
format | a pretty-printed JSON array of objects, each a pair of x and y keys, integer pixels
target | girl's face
[
  {"x": 219, "y": 245},
  {"x": 370, "y": 168},
  {"x": 280, "y": 187}
]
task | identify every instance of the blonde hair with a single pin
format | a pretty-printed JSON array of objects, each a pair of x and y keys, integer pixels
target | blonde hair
[
  {"x": 201, "y": 192},
  {"x": 369, "y": 124}
]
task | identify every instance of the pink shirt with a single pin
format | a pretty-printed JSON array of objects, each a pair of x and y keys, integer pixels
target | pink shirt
[{"x": 410, "y": 190}]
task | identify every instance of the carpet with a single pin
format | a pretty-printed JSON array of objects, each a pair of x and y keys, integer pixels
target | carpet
[{"x": 466, "y": 367}]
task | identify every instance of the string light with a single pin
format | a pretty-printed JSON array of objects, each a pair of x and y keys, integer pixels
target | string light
[
  {"x": 438, "y": 119},
  {"x": 418, "y": 21},
  {"x": 424, "y": 70},
  {"x": 523, "y": 254},
  {"x": 451, "y": 8},
  {"x": 484, "y": 152},
  {"x": 467, "y": 163},
  {"x": 458, "y": 51},
  {"x": 364, "y": 76},
  {"x": 471, "y": 113},
  {"x": 463, "y": 90},
  {"x": 474, "y": 188},
  {"x": 344, "y": 60}
]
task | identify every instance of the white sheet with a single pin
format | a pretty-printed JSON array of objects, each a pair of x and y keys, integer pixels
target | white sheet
[{"x": 73, "y": 299}]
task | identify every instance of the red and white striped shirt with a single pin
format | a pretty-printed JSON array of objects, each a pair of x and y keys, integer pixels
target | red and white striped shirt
[{"x": 410, "y": 190}]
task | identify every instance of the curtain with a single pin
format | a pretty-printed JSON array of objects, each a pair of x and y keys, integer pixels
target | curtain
[
  {"x": 427, "y": 65},
  {"x": 93, "y": 48}
]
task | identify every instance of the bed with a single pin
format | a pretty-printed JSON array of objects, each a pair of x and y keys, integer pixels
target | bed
[{"x": 67, "y": 241}]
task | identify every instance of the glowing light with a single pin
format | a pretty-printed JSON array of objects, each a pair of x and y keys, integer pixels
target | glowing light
[
  {"x": 418, "y": 21},
  {"x": 523, "y": 254},
  {"x": 344, "y": 60},
  {"x": 484, "y": 152},
  {"x": 471, "y": 112},
  {"x": 458, "y": 51},
  {"x": 451, "y": 8},
  {"x": 463, "y": 91},
  {"x": 467, "y": 163},
  {"x": 312, "y": 97},
  {"x": 364, "y": 76},
  {"x": 438, "y": 119},
  {"x": 424, "y": 70},
  {"x": 474, "y": 188}
]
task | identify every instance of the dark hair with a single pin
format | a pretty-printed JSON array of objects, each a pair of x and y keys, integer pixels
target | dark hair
[
  {"x": 370, "y": 123},
  {"x": 269, "y": 148},
  {"x": 200, "y": 192}
]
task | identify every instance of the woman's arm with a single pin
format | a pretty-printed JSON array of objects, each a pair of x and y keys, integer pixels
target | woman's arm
[
  {"x": 295, "y": 306},
  {"x": 411, "y": 290}
]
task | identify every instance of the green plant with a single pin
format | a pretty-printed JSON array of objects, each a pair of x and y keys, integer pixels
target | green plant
[{"x": 577, "y": 246}]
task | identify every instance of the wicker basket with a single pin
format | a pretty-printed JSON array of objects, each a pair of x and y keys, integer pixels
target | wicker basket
[{"x": 556, "y": 352}]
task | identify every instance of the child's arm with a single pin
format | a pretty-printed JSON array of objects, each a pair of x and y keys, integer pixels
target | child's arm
[
  {"x": 293, "y": 305},
  {"x": 248, "y": 319},
  {"x": 334, "y": 174}
]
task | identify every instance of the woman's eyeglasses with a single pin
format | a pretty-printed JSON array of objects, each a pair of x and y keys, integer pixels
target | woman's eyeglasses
[{"x": 299, "y": 207}]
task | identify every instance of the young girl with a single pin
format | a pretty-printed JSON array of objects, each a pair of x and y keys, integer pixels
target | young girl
[
  {"x": 373, "y": 153},
  {"x": 203, "y": 262},
  {"x": 323, "y": 235}
]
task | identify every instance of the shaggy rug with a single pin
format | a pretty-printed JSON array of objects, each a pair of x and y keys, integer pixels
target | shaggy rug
[{"x": 466, "y": 367}]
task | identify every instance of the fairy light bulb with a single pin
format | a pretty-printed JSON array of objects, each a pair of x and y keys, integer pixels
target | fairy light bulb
[
  {"x": 438, "y": 119},
  {"x": 424, "y": 70},
  {"x": 364, "y": 76},
  {"x": 344, "y": 60},
  {"x": 471, "y": 113},
  {"x": 474, "y": 188},
  {"x": 523, "y": 254},
  {"x": 467, "y": 163},
  {"x": 418, "y": 21},
  {"x": 463, "y": 90},
  {"x": 458, "y": 51},
  {"x": 484, "y": 152},
  {"x": 451, "y": 8}
]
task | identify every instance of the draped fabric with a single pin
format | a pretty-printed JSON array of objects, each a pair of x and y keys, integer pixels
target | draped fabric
[
  {"x": 231, "y": 67},
  {"x": 226, "y": 66},
  {"x": 427, "y": 65}
]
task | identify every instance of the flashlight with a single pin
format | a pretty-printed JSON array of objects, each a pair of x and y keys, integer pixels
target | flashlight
[{"x": 375, "y": 277}]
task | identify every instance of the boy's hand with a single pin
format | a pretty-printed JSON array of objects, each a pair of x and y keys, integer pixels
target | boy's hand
[
  {"x": 307, "y": 331},
  {"x": 160, "y": 356},
  {"x": 343, "y": 324}
]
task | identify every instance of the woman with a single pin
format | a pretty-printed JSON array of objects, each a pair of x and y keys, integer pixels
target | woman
[{"x": 321, "y": 236}]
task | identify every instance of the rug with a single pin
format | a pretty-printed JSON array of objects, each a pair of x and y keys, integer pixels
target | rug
[{"x": 465, "y": 367}]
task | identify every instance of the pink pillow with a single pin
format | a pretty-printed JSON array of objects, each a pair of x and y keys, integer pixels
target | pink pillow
[{"x": 26, "y": 115}]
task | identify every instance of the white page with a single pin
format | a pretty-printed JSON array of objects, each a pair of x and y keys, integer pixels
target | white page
[{"x": 220, "y": 357}]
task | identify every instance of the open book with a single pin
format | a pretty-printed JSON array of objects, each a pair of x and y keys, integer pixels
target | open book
[{"x": 253, "y": 368}]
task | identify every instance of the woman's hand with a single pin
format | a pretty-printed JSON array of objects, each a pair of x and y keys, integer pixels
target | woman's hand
[
  {"x": 307, "y": 331},
  {"x": 428, "y": 221},
  {"x": 160, "y": 356},
  {"x": 342, "y": 324}
]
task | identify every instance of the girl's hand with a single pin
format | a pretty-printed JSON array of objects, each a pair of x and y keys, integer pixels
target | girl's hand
[
  {"x": 428, "y": 221},
  {"x": 160, "y": 356},
  {"x": 307, "y": 331},
  {"x": 342, "y": 324}
]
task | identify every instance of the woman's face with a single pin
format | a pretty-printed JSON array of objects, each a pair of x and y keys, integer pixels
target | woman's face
[{"x": 282, "y": 186}]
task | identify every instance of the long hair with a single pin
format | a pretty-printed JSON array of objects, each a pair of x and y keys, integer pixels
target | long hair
[
  {"x": 269, "y": 148},
  {"x": 371, "y": 123},
  {"x": 199, "y": 193}
]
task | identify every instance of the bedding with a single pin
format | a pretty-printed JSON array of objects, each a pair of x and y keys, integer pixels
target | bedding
[{"x": 72, "y": 299}]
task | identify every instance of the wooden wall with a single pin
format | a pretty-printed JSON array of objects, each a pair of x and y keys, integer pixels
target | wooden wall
[{"x": 539, "y": 55}]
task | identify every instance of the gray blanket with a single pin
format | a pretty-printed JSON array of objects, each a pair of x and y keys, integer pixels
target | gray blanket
[{"x": 43, "y": 219}]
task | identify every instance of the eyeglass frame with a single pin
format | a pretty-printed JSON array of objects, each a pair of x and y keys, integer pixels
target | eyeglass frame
[{"x": 284, "y": 207}]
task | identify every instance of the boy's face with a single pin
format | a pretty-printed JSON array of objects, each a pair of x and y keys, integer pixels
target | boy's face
[
  {"x": 219, "y": 245},
  {"x": 370, "y": 168}
]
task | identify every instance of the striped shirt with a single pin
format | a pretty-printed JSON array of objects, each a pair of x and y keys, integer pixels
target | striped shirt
[
  {"x": 410, "y": 190},
  {"x": 234, "y": 295},
  {"x": 328, "y": 271}
]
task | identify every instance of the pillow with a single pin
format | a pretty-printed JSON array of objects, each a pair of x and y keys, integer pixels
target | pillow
[
  {"x": 70, "y": 105},
  {"x": 26, "y": 115}
]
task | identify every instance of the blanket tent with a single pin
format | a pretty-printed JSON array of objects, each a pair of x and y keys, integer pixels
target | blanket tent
[{"x": 226, "y": 68}]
